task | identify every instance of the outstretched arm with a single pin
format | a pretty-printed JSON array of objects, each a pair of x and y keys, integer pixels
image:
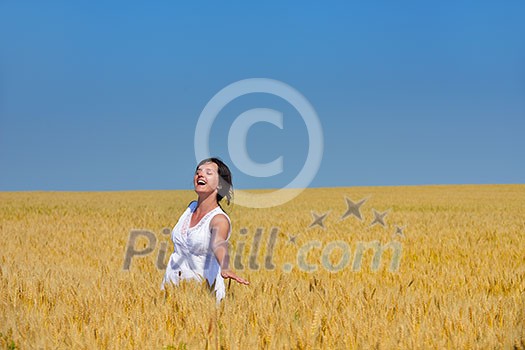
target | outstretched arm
[{"x": 220, "y": 226}]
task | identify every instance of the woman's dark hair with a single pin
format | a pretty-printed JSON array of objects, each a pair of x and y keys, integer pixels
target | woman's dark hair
[{"x": 225, "y": 189}]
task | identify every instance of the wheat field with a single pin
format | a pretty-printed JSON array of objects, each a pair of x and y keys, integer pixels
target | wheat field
[{"x": 458, "y": 281}]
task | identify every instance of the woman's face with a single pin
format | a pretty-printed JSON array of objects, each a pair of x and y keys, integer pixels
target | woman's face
[{"x": 206, "y": 178}]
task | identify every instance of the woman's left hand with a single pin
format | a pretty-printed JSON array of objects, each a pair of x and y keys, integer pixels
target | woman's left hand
[{"x": 227, "y": 273}]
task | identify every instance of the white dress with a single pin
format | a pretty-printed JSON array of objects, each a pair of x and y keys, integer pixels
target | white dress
[{"x": 193, "y": 258}]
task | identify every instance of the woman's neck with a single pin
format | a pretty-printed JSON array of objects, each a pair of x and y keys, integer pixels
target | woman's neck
[{"x": 206, "y": 204}]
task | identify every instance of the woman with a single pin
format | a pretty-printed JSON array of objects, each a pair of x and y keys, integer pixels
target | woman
[{"x": 201, "y": 234}]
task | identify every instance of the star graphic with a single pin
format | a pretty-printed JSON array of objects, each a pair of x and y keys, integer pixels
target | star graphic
[
  {"x": 318, "y": 220},
  {"x": 353, "y": 208},
  {"x": 379, "y": 218},
  {"x": 291, "y": 239},
  {"x": 399, "y": 231}
]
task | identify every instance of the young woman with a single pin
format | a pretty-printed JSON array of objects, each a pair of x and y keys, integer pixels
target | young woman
[{"x": 201, "y": 234}]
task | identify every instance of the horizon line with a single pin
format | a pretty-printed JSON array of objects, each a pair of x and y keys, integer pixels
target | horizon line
[{"x": 270, "y": 189}]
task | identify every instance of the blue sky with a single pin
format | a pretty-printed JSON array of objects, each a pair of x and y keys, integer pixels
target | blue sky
[{"x": 106, "y": 95}]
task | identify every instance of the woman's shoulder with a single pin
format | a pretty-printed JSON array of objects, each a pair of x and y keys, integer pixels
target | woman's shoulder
[
  {"x": 221, "y": 211},
  {"x": 220, "y": 215},
  {"x": 193, "y": 205}
]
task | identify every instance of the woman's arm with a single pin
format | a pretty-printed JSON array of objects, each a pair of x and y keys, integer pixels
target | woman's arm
[{"x": 220, "y": 226}]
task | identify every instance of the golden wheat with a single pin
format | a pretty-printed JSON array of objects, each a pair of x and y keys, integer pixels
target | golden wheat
[{"x": 459, "y": 284}]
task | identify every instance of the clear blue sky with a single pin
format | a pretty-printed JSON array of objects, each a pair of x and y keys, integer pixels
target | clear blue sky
[{"x": 103, "y": 95}]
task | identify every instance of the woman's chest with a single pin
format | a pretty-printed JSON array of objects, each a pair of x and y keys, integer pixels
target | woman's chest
[{"x": 194, "y": 240}]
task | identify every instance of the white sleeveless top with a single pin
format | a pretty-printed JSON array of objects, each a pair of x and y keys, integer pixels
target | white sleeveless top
[{"x": 193, "y": 257}]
